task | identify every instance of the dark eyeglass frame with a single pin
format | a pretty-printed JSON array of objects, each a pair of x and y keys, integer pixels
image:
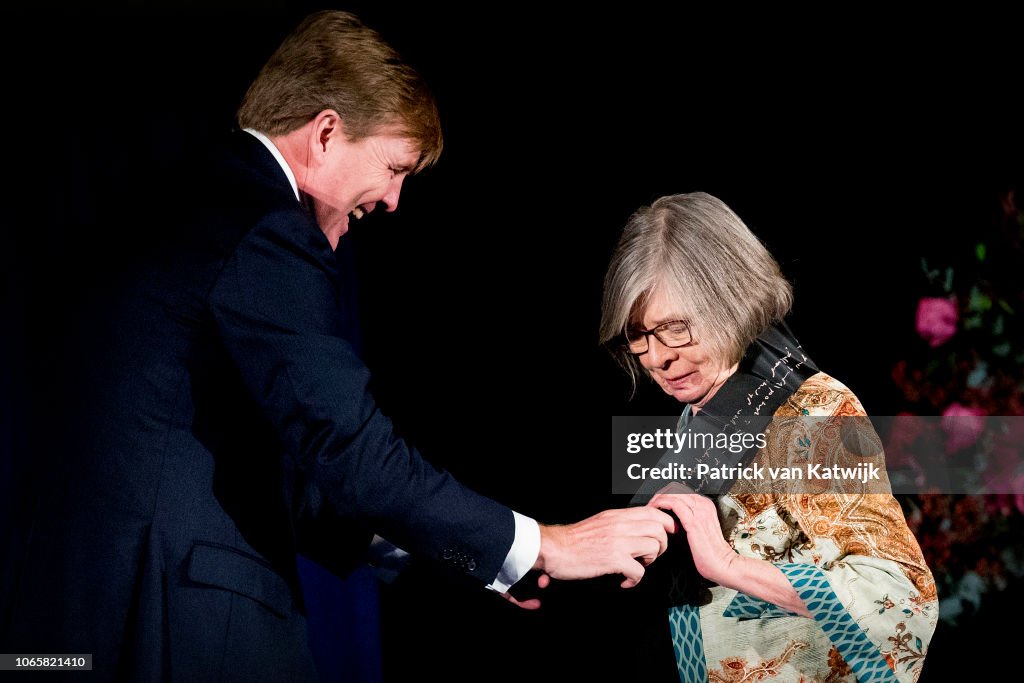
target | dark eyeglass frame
[{"x": 654, "y": 330}]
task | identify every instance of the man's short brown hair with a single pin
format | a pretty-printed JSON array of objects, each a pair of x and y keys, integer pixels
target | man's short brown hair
[{"x": 333, "y": 61}]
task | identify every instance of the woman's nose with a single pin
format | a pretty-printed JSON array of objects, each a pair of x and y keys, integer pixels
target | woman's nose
[{"x": 659, "y": 355}]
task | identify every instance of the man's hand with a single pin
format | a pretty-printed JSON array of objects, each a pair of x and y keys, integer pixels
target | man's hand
[
  {"x": 543, "y": 580},
  {"x": 622, "y": 541}
]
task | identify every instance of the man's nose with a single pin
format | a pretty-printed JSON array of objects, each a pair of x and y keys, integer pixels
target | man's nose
[{"x": 390, "y": 198}]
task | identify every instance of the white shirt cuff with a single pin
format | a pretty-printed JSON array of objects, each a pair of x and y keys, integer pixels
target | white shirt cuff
[{"x": 521, "y": 556}]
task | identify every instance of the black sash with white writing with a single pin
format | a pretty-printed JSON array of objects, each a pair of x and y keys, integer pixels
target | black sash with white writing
[{"x": 773, "y": 367}]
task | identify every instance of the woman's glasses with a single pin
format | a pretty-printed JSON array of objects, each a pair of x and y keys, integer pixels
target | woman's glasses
[{"x": 674, "y": 334}]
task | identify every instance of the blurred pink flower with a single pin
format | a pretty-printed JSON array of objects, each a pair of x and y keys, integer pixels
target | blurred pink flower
[
  {"x": 936, "y": 319},
  {"x": 1002, "y": 465},
  {"x": 901, "y": 449},
  {"x": 963, "y": 425},
  {"x": 1003, "y": 503}
]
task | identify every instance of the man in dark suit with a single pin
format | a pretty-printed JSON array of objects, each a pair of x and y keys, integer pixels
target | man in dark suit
[{"x": 230, "y": 425}]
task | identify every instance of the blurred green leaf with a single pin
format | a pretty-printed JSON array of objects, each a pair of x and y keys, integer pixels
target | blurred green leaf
[
  {"x": 1002, "y": 350},
  {"x": 948, "y": 284},
  {"x": 1005, "y": 306},
  {"x": 973, "y": 322},
  {"x": 978, "y": 301},
  {"x": 997, "y": 326},
  {"x": 979, "y": 251}
]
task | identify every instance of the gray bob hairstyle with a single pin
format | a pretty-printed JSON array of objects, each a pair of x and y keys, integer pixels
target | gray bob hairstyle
[{"x": 693, "y": 249}]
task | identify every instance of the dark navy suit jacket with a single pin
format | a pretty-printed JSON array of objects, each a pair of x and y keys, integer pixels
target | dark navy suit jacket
[{"x": 226, "y": 426}]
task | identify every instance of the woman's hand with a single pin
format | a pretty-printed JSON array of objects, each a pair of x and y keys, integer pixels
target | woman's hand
[
  {"x": 712, "y": 554},
  {"x": 715, "y": 558}
]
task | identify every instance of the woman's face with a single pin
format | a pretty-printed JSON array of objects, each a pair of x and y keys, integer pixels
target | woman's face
[{"x": 688, "y": 374}]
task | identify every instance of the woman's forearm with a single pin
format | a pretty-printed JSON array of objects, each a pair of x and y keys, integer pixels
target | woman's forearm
[{"x": 762, "y": 579}]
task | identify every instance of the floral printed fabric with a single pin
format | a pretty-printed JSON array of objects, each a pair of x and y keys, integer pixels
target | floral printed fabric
[{"x": 850, "y": 556}]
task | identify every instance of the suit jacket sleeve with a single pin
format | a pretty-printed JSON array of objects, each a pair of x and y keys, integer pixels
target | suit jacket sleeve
[{"x": 275, "y": 307}]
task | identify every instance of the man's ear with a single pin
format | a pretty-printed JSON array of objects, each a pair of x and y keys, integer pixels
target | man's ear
[{"x": 328, "y": 129}]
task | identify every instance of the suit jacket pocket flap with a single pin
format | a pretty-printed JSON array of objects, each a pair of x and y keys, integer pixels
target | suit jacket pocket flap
[{"x": 231, "y": 570}]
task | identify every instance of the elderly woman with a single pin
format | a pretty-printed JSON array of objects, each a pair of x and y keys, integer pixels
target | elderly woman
[{"x": 806, "y": 586}]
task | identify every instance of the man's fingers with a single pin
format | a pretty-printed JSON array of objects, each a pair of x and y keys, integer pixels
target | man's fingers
[
  {"x": 667, "y": 523},
  {"x": 642, "y": 532},
  {"x": 603, "y": 543},
  {"x": 543, "y": 581},
  {"x": 643, "y": 522},
  {"x": 659, "y": 533},
  {"x": 639, "y": 526},
  {"x": 531, "y": 604},
  {"x": 633, "y": 571},
  {"x": 649, "y": 551},
  {"x": 658, "y": 502},
  {"x": 640, "y": 514}
]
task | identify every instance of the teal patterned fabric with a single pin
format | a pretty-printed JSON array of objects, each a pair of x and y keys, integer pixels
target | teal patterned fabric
[
  {"x": 853, "y": 644},
  {"x": 688, "y": 642},
  {"x": 744, "y": 606}
]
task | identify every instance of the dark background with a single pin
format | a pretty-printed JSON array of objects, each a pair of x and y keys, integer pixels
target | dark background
[{"x": 852, "y": 146}]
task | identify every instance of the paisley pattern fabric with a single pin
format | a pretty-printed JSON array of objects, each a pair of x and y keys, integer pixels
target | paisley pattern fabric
[{"x": 847, "y": 551}]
